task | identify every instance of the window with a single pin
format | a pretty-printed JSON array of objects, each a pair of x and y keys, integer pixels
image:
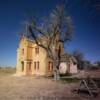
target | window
[
  {"x": 37, "y": 50},
  {"x": 74, "y": 63},
  {"x": 56, "y": 50},
  {"x": 38, "y": 65},
  {"x": 50, "y": 66},
  {"x": 29, "y": 65},
  {"x": 22, "y": 66},
  {"x": 22, "y": 51},
  {"x": 34, "y": 65}
]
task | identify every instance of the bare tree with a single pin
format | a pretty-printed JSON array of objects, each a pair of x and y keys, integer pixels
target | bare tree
[{"x": 54, "y": 31}]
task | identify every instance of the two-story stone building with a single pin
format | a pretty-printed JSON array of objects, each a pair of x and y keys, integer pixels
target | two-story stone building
[{"x": 33, "y": 60}]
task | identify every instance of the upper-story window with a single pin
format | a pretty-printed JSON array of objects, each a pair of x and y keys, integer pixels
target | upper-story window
[
  {"x": 50, "y": 66},
  {"x": 37, "y": 50},
  {"x": 22, "y": 51}
]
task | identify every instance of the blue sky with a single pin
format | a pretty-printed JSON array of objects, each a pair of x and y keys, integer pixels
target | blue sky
[{"x": 85, "y": 16}]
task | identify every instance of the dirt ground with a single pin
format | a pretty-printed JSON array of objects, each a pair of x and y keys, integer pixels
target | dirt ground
[{"x": 32, "y": 88}]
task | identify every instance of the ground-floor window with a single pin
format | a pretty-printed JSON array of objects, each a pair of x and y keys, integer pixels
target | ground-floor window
[
  {"x": 22, "y": 66},
  {"x": 29, "y": 65},
  {"x": 36, "y": 65}
]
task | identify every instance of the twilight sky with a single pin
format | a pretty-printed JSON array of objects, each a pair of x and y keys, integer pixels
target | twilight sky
[{"x": 85, "y": 15}]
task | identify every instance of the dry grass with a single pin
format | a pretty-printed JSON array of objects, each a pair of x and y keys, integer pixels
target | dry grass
[
  {"x": 7, "y": 71},
  {"x": 32, "y": 88}
]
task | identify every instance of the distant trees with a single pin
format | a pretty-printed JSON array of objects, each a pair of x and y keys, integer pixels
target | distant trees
[
  {"x": 54, "y": 31},
  {"x": 80, "y": 59},
  {"x": 98, "y": 63},
  {"x": 84, "y": 64}
]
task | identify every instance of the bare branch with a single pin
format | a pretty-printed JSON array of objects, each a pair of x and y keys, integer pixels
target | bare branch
[{"x": 58, "y": 28}]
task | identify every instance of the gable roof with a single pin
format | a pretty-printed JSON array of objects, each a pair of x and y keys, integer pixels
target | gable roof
[{"x": 68, "y": 57}]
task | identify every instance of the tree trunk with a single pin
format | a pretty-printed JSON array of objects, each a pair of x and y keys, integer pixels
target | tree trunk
[
  {"x": 56, "y": 71},
  {"x": 56, "y": 75}
]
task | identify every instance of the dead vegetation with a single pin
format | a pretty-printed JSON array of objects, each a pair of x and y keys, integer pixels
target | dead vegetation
[
  {"x": 7, "y": 71},
  {"x": 37, "y": 88}
]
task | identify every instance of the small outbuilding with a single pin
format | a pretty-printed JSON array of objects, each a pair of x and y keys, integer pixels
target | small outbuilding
[{"x": 68, "y": 64}]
